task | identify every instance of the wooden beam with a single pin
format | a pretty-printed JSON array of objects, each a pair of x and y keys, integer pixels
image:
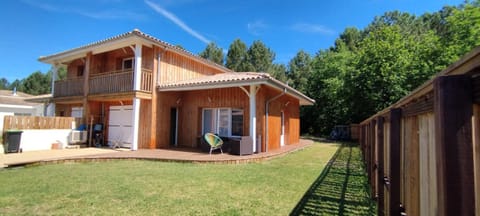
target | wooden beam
[
  {"x": 453, "y": 135},
  {"x": 395, "y": 132},
  {"x": 380, "y": 168},
  {"x": 153, "y": 122}
]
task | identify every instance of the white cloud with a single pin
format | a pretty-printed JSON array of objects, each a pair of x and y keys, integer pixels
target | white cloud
[
  {"x": 106, "y": 14},
  {"x": 257, "y": 27},
  {"x": 312, "y": 28},
  {"x": 112, "y": 14},
  {"x": 172, "y": 17}
]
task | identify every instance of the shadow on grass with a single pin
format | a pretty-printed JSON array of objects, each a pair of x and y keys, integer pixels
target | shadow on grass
[{"x": 341, "y": 189}]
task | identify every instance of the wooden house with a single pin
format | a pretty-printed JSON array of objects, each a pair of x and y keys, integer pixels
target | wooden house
[
  {"x": 150, "y": 94},
  {"x": 423, "y": 153}
]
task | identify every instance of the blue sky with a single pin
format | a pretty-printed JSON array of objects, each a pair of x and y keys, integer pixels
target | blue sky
[{"x": 34, "y": 28}]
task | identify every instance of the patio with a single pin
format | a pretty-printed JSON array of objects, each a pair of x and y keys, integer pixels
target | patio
[{"x": 170, "y": 155}]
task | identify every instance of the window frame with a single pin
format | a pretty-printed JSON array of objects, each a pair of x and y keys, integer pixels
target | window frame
[
  {"x": 128, "y": 59},
  {"x": 216, "y": 113}
]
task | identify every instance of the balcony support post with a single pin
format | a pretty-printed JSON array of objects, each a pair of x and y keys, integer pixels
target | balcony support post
[{"x": 137, "y": 77}]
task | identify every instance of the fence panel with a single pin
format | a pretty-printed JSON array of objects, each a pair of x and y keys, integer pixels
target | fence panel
[{"x": 36, "y": 122}]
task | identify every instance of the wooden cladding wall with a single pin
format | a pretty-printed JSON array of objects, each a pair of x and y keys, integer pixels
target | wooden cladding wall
[
  {"x": 145, "y": 123},
  {"x": 109, "y": 62},
  {"x": 190, "y": 106},
  {"x": 191, "y": 103},
  {"x": 290, "y": 108},
  {"x": 175, "y": 67}
]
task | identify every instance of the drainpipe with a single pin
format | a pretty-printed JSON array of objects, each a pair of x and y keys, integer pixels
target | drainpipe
[{"x": 266, "y": 116}]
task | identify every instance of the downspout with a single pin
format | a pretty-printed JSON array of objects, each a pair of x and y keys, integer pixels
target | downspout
[{"x": 266, "y": 116}]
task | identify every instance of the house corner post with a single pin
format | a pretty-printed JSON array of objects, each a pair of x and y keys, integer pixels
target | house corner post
[
  {"x": 253, "y": 115},
  {"x": 453, "y": 110},
  {"x": 86, "y": 72}
]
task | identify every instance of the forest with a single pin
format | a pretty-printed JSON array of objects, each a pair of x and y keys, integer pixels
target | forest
[{"x": 363, "y": 72}]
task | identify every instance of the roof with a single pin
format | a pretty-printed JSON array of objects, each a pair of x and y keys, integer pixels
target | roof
[
  {"x": 8, "y": 98},
  {"x": 125, "y": 39},
  {"x": 234, "y": 79}
]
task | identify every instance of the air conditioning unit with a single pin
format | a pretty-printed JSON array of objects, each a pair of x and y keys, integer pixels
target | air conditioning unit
[{"x": 77, "y": 136}]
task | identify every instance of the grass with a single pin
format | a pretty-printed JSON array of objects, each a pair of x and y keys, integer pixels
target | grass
[
  {"x": 127, "y": 187},
  {"x": 341, "y": 189}
]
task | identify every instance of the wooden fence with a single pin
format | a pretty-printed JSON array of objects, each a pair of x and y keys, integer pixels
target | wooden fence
[
  {"x": 423, "y": 153},
  {"x": 36, "y": 122}
]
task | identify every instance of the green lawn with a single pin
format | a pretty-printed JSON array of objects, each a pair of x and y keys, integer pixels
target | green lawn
[{"x": 128, "y": 187}]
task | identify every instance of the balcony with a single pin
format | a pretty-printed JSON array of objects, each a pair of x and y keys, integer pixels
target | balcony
[{"x": 105, "y": 83}]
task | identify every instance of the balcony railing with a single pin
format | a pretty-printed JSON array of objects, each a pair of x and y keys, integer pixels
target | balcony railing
[
  {"x": 111, "y": 82},
  {"x": 70, "y": 87}
]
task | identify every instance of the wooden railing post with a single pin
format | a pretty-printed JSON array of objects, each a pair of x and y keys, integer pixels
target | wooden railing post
[{"x": 453, "y": 135}]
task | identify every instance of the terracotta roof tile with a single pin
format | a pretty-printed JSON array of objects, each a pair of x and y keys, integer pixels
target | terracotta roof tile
[
  {"x": 135, "y": 32},
  {"x": 218, "y": 79}
]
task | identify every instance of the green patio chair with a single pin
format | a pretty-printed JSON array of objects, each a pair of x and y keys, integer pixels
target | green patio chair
[{"x": 214, "y": 141}]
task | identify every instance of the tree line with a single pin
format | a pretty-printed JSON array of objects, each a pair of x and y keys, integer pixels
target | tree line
[
  {"x": 36, "y": 83},
  {"x": 363, "y": 72}
]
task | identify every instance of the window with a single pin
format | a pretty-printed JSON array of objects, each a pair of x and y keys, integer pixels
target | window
[
  {"x": 127, "y": 63},
  {"x": 77, "y": 112},
  {"x": 80, "y": 70},
  {"x": 223, "y": 121},
  {"x": 237, "y": 122},
  {"x": 209, "y": 120}
]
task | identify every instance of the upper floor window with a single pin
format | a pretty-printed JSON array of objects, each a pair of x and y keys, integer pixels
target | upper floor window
[
  {"x": 127, "y": 63},
  {"x": 80, "y": 70}
]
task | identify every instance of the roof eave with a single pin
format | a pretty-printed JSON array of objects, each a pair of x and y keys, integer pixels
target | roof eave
[{"x": 212, "y": 85}]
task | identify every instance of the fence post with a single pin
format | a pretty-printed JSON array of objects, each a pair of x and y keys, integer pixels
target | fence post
[
  {"x": 372, "y": 159},
  {"x": 380, "y": 170},
  {"x": 453, "y": 135},
  {"x": 395, "y": 133}
]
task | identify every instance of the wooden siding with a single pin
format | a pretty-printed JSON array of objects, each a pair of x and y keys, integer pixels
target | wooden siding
[
  {"x": 145, "y": 123},
  {"x": 191, "y": 103},
  {"x": 165, "y": 101},
  {"x": 175, "y": 67},
  {"x": 290, "y": 107}
]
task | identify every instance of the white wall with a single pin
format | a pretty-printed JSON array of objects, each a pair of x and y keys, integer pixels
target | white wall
[{"x": 34, "y": 140}]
